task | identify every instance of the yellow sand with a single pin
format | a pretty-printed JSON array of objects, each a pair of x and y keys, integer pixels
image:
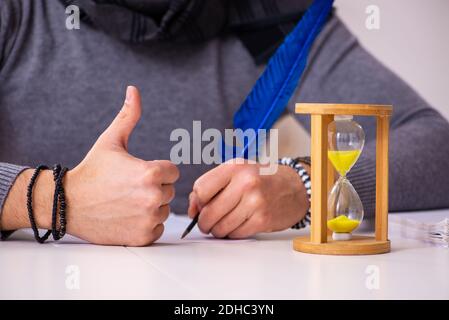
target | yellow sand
[
  {"x": 343, "y": 160},
  {"x": 342, "y": 224}
]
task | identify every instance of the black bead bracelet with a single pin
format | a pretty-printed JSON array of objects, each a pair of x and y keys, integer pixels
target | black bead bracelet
[
  {"x": 59, "y": 197},
  {"x": 58, "y": 202},
  {"x": 30, "y": 206}
]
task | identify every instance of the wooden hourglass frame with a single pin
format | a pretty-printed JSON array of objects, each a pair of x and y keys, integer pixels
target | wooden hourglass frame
[{"x": 322, "y": 179}]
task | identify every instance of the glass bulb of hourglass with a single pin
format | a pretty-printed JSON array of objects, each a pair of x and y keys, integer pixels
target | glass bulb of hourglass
[{"x": 345, "y": 139}]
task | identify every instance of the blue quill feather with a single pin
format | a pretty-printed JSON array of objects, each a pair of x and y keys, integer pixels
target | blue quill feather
[{"x": 272, "y": 91}]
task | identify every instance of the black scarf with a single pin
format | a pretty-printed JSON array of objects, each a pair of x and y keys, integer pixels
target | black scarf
[{"x": 260, "y": 24}]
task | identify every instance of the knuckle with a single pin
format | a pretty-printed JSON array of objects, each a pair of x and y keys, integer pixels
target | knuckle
[
  {"x": 156, "y": 197},
  {"x": 261, "y": 201},
  {"x": 261, "y": 221},
  {"x": 168, "y": 166},
  {"x": 154, "y": 172},
  {"x": 251, "y": 181},
  {"x": 144, "y": 206},
  {"x": 147, "y": 180},
  {"x": 255, "y": 201}
]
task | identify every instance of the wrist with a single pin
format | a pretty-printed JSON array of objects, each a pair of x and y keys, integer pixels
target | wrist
[
  {"x": 43, "y": 199},
  {"x": 301, "y": 169},
  {"x": 302, "y": 199},
  {"x": 70, "y": 183},
  {"x": 15, "y": 213}
]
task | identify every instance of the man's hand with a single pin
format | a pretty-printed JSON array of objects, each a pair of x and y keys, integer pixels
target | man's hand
[
  {"x": 112, "y": 197},
  {"x": 235, "y": 201}
]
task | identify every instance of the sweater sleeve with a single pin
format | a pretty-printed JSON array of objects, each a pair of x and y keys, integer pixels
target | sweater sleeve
[
  {"x": 341, "y": 71},
  {"x": 8, "y": 174},
  {"x": 9, "y": 18}
]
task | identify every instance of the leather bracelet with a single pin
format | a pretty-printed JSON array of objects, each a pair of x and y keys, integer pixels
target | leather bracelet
[{"x": 305, "y": 178}]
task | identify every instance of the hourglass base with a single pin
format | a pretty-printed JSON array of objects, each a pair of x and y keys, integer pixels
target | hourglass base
[{"x": 358, "y": 245}]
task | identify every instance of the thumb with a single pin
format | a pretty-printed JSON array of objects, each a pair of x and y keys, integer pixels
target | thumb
[{"x": 124, "y": 123}]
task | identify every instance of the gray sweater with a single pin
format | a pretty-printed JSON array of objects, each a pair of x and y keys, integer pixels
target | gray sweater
[{"x": 59, "y": 89}]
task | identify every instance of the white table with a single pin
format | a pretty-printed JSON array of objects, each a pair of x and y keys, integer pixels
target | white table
[{"x": 262, "y": 268}]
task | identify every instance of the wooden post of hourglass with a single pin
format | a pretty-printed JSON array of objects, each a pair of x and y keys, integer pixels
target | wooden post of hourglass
[
  {"x": 319, "y": 171},
  {"x": 330, "y": 178},
  {"x": 382, "y": 178},
  {"x": 322, "y": 179}
]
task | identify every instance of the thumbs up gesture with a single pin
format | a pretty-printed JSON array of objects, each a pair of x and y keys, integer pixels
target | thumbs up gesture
[{"x": 114, "y": 198}]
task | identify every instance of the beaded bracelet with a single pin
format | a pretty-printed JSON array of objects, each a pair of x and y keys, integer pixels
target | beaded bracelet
[
  {"x": 30, "y": 205},
  {"x": 59, "y": 196},
  {"x": 305, "y": 178}
]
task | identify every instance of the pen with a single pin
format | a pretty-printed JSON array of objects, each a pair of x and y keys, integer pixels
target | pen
[{"x": 190, "y": 226}]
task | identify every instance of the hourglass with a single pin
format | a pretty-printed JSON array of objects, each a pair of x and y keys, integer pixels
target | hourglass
[
  {"x": 345, "y": 143},
  {"x": 336, "y": 209}
]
